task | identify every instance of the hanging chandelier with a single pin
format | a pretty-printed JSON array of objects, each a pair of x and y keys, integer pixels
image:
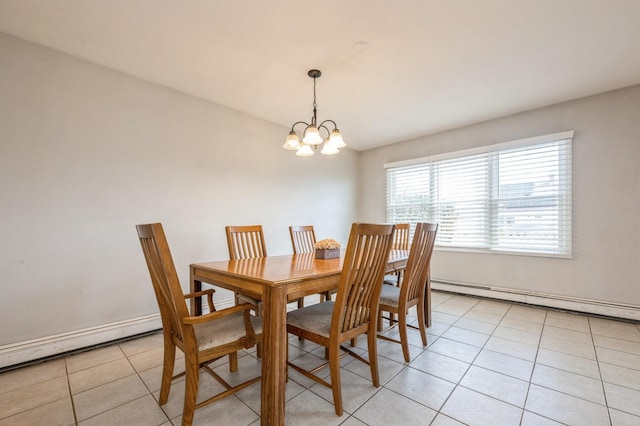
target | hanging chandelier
[{"x": 311, "y": 135}]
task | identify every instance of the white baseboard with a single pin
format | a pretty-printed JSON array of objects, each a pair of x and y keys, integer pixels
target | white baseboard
[
  {"x": 30, "y": 350},
  {"x": 588, "y": 306}
]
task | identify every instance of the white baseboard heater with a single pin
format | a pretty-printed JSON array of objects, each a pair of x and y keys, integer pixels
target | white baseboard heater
[{"x": 588, "y": 306}]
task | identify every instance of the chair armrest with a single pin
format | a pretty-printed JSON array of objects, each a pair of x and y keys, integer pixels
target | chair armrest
[
  {"x": 209, "y": 292},
  {"x": 246, "y": 307}
]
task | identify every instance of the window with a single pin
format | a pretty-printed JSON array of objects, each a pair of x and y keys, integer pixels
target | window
[{"x": 509, "y": 197}]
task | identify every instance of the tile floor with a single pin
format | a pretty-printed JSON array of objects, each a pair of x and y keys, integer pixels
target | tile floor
[{"x": 487, "y": 363}]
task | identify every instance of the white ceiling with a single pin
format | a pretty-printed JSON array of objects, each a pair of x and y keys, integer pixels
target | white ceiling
[{"x": 430, "y": 65}]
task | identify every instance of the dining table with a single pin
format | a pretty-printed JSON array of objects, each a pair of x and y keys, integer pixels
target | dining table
[{"x": 276, "y": 280}]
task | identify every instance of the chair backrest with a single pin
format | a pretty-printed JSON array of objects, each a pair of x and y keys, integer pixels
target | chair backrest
[
  {"x": 401, "y": 236},
  {"x": 362, "y": 274},
  {"x": 415, "y": 275},
  {"x": 245, "y": 242},
  {"x": 164, "y": 278},
  {"x": 303, "y": 239}
]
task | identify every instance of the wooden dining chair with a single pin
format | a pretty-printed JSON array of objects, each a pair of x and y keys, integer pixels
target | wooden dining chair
[
  {"x": 203, "y": 339},
  {"x": 303, "y": 240},
  {"x": 355, "y": 310},
  {"x": 400, "y": 242},
  {"x": 412, "y": 290}
]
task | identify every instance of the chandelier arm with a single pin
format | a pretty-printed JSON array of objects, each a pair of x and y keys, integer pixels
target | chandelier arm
[
  {"x": 322, "y": 126},
  {"x": 335, "y": 126},
  {"x": 299, "y": 122}
]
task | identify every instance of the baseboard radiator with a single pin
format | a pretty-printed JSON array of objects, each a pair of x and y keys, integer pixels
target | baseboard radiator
[
  {"x": 23, "y": 352},
  {"x": 588, "y": 306}
]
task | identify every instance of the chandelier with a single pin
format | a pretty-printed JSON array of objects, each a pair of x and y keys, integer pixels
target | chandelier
[{"x": 311, "y": 135}]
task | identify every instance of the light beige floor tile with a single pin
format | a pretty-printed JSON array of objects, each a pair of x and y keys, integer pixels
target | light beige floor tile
[
  {"x": 566, "y": 362},
  {"x": 475, "y": 408},
  {"x": 27, "y": 376},
  {"x": 437, "y": 328},
  {"x": 453, "y": 307},
  {"x": 252, "y": 394},
  {"x": 149, "y": 359},
  {"x": 453, "y": 349},
  {"x": 477, "y": 326},
  {"x": 522, "y": 336},
  {"x": 442, "y": 420},
  {"x": 248, "y": 368},
  {"x": 622, "y": 359},
  {"x": 356, "y": 390},
  {"x": 99, "y": 375},
  {"x": 387, "y": 368},
  {"x": 617, "y": 344},
  {"x": 568, "y": 335},
  {"x": 569, "y": 321},
  {"x": 532, "y": 419},
  {"x": 102, "y": 398},
  {"x": 504, "y": 364},
  {"x": 93, "y": 358},
  {"x": 421, "y": 387},
  {"x": 227, "y": 411},
  {"x": 152, "y": 377},
  {"x": 57, "y": 413},
  {"x": 352, "y": 421},
  {"x": 620, "y": 376},
  {"x": 565, "y": 408},
  {"x": 619, "y": 418},
  {"x": 441, "y": 366},
  {"x": 569, "y": 383},
  {"x": 140, "y": 412},
  {"x": 393, "y": 351},
  {"x": 584, "y": 350},
  {"x": 532, "y": 327},
  {"x": 512, "y": 348},
  {"x": 623, "y": 399},
  {"x": 496, "y": 385},
  {"x": 491, "y": 307},
  {"x": 443, "y": 318},
  {"x": 616, "y": 329},
  {"x": 527, "y": 313},
  {"x": 483, "y": 317},
  {"x": 35, "y": 395},
  {"x": 307, "y": 408},
  {"x": 387, "y": 408},
  {"x": 466, "y": 336},
  {"x": 142, "y": 344}
]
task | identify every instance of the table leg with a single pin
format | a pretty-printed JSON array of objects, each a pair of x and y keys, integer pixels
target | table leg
[
  {"x": 196, "y": 302},
  {"x": 274, "y": 355}
]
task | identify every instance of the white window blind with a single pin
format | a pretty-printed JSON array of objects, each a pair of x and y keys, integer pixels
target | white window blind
[{"x": 510, "y": 197}]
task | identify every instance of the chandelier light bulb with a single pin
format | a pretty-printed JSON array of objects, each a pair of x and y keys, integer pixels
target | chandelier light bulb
[
  {"x": 304, "y": 150},
  {"x": 293, "y": 142}
]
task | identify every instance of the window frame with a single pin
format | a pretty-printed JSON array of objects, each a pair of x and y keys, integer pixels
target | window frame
[{"x": 563, "y": 247}]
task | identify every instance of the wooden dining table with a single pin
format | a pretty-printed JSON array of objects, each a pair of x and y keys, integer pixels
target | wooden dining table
[{"x": 276, "y": 280}]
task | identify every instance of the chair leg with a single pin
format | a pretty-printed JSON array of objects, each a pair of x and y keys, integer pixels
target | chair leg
[
  {"x": 191, "y": 388},
  {"x": 373, "y": 356},
  {"x": 233, "y": 362},
  {"x": 422, "y": 320},
  {"x": 334, "y": 366},
  {"x": 167, "y": 369},
  {"x": 301, "y": 303},
  {"x": 404, "y": 339}
]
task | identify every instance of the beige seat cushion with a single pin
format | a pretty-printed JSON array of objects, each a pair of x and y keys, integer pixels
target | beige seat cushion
[
  {"x": 390, "y": 295},
  {"x": 224, "y": 330},
  {"x": 315, "y": 318}
]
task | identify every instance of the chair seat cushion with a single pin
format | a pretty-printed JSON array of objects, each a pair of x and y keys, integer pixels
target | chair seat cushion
[
  {"x": 390, "y": 295},
  {"x": 224, "y": 330},
  {"x": 315, "y": 318},
  {"x": 391, "y": 279}
]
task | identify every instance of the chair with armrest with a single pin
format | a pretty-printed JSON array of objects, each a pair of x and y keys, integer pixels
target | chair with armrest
[
  {"x": 412, "y": 290},
  {"x": 203, "y": 339},
  {"x": 355, "y": 309}
]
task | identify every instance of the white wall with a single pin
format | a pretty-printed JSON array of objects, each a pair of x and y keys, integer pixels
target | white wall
[
  {"x": 86, "y": 153},
  {"x": 606, "y": 199}
]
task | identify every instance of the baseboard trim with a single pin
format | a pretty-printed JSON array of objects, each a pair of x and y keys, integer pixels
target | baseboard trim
[
  {"x": 588, "y": 306},
  {"x": 49, "y": 346}
]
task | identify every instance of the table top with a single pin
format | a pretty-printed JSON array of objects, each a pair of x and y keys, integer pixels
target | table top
[{"x": 284, "y": 269}]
